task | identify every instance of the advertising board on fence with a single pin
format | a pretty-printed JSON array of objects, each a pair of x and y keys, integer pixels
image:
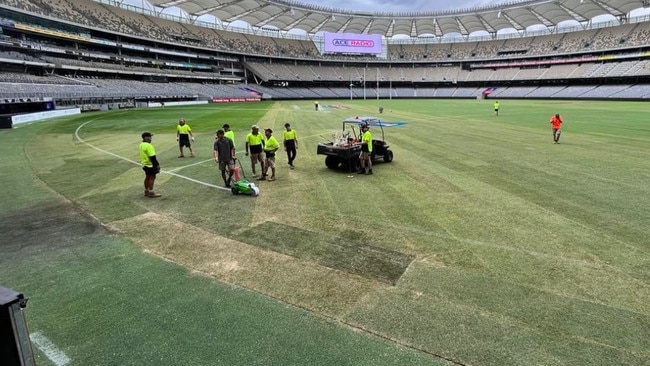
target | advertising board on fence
[
  {"x": 22, "y": 118},
  {"x": 231, "y": 100}
]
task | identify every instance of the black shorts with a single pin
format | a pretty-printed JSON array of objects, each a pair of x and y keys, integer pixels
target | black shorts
[
  {"x": 364, "y": 148},
  {"x": 184, "y": 140},
  {"x": 270, "y": 154},
  {"x": 256, "y": 149},
  {"x": 149, "y": 170}
]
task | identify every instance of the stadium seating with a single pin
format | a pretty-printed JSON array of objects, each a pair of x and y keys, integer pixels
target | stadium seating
[{"x": 420, "y": 61}]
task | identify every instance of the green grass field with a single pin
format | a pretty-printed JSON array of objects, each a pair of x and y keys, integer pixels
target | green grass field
[{"x": 482, "y": 243}]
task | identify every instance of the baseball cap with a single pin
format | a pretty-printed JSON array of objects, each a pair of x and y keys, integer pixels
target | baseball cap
[
  {"x": 255, "y": 126},
  {"x": 287, "y": 124},
  {"x": 220, "y": 132},
  {"x": 268, "y": 129},
  {"x": 147, "y": 134},
  {"x": 225, "y": 125}
]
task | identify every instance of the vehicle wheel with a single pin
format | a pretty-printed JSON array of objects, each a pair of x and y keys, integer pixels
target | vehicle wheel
[
  {"x": 234, "y": 190},
  {"x": 388, "y": 157},
  {"x": 332, "y": 162}
]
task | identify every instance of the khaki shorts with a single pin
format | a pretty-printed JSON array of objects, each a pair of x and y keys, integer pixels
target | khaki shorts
[
  {"x": 270, "y": 162},
  {"x": 255, "y": 157}
]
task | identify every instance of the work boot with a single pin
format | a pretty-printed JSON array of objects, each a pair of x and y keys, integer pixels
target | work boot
[
  {"x": 146, "y": 193},
  {"x": 153, "y": 194},
  {"x": 369, "y": 172}
]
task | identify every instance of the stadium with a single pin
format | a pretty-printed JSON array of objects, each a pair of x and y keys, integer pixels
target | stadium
[{"x": 482, "y": 243}]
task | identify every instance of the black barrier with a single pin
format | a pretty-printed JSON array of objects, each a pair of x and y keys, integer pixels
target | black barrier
[
  {"x": 28, "y": 106},
  {"x": 15, "y": 346},
  {"x": 5, "y": 121}
]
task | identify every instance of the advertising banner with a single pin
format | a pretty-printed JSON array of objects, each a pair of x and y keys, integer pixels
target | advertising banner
[
  {"x": 352, "y": 43},
  {"x": 232, "y": 100}
]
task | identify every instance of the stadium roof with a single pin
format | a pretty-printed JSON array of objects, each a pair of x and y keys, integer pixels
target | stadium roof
[{"x": 286, "y": 15}]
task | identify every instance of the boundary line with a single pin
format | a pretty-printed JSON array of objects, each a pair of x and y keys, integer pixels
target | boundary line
[
  {"x": 50, "y": 349},
  {"x": 76, "y": 135}
]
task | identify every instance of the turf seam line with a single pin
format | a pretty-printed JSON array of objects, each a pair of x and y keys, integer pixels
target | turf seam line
[
  {"x": 70, "y": 201},
  {"x": 310, "y": 311}
]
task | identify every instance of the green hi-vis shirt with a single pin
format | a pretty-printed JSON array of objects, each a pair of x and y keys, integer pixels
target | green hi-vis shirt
[
  {"x": 231, "y": 136},
  {"x": 496, "y": 105},
  {"x": 184, "y": 129},
  {"x": 146, "y": 152},
  {"x": 271, "y": 144},
  {"x": 367, "y": 138},
  {"x": 289, "y": 135}
]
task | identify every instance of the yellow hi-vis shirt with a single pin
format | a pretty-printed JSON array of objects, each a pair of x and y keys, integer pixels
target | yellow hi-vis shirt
[
  {"x": 254, "y": 139},
  {"x": 271, "y": 144},
  {"x": 146, "y": 151},
  {"x": 289, "y": 135},
  {"x": 184, "y": 129},
  {"x": 367, "y": 137},
  {"x": 231, "y": 136}
]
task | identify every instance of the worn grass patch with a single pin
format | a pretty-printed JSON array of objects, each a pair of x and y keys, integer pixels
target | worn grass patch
[
  {"x": 345, "y": 254},
  {"x": 299, "y": 282}
]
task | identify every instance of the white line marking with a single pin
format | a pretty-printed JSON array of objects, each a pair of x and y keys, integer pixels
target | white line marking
[
  {"x": 49, "y": 349},
  {"x": 317, "y": 135},
  {"x": 76, "y": 134},
  {"x": 190, "y": 165},
  {"x": 170, "y": 172},
  {"x": 193, "y": 164}
]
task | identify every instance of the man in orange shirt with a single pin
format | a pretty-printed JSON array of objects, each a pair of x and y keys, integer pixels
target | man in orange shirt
[{"x": 556, "y": 124}]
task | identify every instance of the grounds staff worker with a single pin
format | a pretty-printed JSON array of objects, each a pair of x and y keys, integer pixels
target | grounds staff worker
[
  {"x": 290, "y": 143},
  {"x": 183, "y": 134},
  {"x": 150, "y": 164},
  {"x": 366, "y": 150},
  {"x": 270, "y": 147},
  {"x": 227, "y": 132},
  {"x": 255, "y": 143},
  {"x": 556, "y": 125}
]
